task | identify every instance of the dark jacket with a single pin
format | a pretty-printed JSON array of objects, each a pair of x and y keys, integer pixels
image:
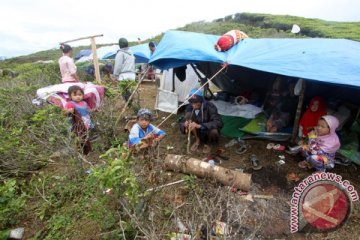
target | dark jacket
[{"x": 208, "y": 116}]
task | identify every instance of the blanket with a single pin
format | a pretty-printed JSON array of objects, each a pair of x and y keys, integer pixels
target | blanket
[{"x": 58, "y": 94}]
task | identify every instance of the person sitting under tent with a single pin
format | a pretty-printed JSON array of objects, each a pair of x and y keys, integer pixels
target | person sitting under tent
[
  {"x": 67, "y": 65},
  {"x": 322, "y": 145},
  {"x": 282, "y": 106},
  {"x": 124, "y": 68},
  {"x": 203, "y": 120},
  {"x": 316, "y": 109}
]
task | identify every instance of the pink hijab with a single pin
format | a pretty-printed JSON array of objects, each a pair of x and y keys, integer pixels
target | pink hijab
[{"x": 330, "y": 143}]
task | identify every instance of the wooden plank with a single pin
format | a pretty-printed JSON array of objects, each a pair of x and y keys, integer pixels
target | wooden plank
[
  {"x": 82, "y": 38},
  {"x": 95, "y": 61}
]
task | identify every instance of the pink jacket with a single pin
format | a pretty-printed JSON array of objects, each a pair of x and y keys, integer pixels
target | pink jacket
[{"x": 67, "y": 69}]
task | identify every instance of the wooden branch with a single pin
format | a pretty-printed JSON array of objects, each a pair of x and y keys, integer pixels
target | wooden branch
[
  {"x": 165, "y": 185},
  {"x": 130, "y": 98},
  {"x": 203, "y": 169},
  {"x": 82, "y": 38}
]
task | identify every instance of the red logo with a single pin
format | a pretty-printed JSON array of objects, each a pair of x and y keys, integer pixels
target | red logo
[{"x": 325, "y": 205}]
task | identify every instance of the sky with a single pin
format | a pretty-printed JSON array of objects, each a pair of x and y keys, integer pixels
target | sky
[{"x": 31, "y": 26}]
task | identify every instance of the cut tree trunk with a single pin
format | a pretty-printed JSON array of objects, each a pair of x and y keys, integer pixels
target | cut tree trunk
[{"x": 203, "y": 169}]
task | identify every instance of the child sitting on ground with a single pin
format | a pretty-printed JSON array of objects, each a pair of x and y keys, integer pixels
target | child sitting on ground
[
  {"x": 322, "y": 145},
  {"x": 143, "y": 134},
  {"x": 79, "y": 112}
]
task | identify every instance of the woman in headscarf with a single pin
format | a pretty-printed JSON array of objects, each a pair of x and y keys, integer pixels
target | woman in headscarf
[{"x": 316, "y": 109}]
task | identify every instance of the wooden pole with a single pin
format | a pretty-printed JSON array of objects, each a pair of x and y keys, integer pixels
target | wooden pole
[
  {"x": 298, "y": 111},
  {"x": 95, "y": 61},
  {"x": 82, "y": 38},
  {"x": 203, "y": 169}
]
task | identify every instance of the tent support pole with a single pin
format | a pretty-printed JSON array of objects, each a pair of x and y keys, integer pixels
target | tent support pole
[
  {"x": 298, "y": 111},
  {"x": 173, "y": 81},
  {"x": 202, "y": 80},
  {"x": 357, "y": 114}
]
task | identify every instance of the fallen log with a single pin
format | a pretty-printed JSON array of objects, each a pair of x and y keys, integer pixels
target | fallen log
[{"x": 203, "y": 169}]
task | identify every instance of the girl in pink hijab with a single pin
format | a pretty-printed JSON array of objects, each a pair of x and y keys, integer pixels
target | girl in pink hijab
[{"x": 323, "y": 143}]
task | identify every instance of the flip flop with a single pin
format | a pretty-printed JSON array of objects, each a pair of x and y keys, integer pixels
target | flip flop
[
  {"x": 270, "y": 146},
  {"x": 342, "y": 161},
  {"x": 206, "y": 149},
  {"x": 255, "y": 162},
  {"x": 242, "y": 149},
  {"x": 279, "y": 147},
  {"x": 194, "y": 147},
  {"x": 303, "y": 164}
]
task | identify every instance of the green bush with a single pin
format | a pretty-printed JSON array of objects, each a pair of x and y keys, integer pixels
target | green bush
[{"x": 11, "y": 203}]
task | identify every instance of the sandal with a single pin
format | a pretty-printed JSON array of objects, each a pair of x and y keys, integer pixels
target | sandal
[
  {"x": 270, "y": 146},
  {"x": 206, "y": 149},
  {"x": 303, "y": 164},
  {"x": 279, "y": 147},
  {"x": 194, "y": 147},
  {"x": 255, "y": 162},
  {"x": 242, "y": 149}
]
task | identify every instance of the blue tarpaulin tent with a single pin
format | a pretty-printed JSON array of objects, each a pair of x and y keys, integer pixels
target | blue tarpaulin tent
[
  {"x": 141, "y": 53},
  {"x": 82, "y": 53},
  {"x": 330, "y": 66},
  {"x": 327, "y": 60}
]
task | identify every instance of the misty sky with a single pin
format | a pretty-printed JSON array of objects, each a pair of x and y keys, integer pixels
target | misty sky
[{"x": 36, "y": 25}]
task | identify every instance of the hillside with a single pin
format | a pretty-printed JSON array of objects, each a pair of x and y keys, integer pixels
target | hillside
[
  {"x": 255, "y": 25},
  {"x": 277, "y": 26}
]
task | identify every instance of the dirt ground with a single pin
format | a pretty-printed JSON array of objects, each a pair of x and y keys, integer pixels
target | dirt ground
[{"x": 270, "y": 180}]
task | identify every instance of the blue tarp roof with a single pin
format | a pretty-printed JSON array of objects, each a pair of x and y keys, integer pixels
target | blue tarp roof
[
  {"x": 327, "y": 60},
  {"x": 82, "y": 53},
  {"x": 141, "y": 53}
]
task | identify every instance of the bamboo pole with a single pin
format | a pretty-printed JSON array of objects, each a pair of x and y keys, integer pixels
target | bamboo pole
[
  {"x": 95, "y": 61},
  {"x": 298, "y": 111},
  {"x": 82, "y": 38}
]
